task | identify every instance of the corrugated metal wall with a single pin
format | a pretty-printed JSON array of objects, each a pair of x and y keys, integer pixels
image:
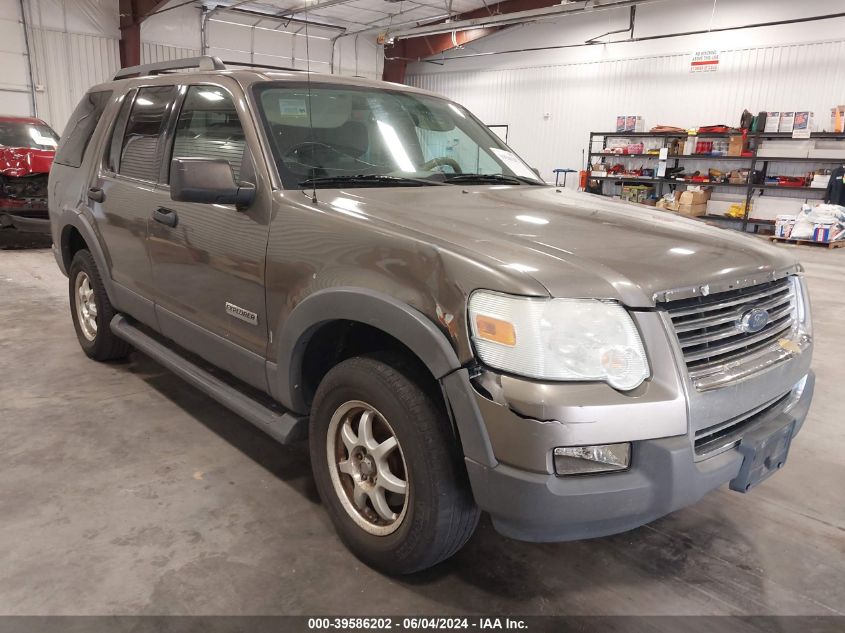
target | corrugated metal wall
[
  {"x": 152, "y": 52},
  {"x": 65, "y": 65},
  {"x": 15, "y": 96},
  {"x": 552, "y": 109}
]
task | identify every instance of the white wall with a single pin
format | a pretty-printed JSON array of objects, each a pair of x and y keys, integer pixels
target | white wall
[
  {"x": 174, "y": 34},
  {"x": 15, "y": 96},
  {"x": 553, "y": 99},
  {"x": 73, "y": 45},
  {"x": 359, "y": 55},
  {"x": 246, "y": 38}
]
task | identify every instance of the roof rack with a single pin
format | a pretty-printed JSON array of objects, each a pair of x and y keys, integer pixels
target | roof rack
[
  {"x": 253, "y": 65},
  {"x": 205, "y": 62}
]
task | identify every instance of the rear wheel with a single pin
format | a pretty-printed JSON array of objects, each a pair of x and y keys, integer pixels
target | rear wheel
[
  {"x": 92, "y": 311},
  {"x": 388, "y": 467}
]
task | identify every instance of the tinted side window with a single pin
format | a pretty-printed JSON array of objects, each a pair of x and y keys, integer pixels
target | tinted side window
[
  {"x": 209, "y": 127},
  {"x": 112, "y": 158},
  {"x": 80, "y": 127},
  {"x": 140, "y": 154}
]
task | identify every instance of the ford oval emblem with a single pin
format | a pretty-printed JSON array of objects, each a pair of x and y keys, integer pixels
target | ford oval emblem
[{"x": 753, "y": 321}]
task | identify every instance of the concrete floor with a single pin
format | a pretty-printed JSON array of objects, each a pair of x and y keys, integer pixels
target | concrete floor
[{"x": 124, "y": 491}]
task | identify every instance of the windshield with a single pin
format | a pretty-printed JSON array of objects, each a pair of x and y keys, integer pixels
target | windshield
[
  {"x": 349, "y": 136},
  {"x": 35, "y": 136}
]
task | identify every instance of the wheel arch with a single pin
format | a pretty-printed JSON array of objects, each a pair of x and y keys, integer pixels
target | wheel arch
[
  {"x": 379, "y": 311},
  {"x": 77, "y": 232},
  {"x": 399, "y": 321}
]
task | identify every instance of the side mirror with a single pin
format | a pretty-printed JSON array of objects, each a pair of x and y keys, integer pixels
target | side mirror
[{"x": 208, "y": 181}]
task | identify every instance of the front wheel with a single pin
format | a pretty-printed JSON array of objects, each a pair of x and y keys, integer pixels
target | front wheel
[{"x": 388, "y": 468}]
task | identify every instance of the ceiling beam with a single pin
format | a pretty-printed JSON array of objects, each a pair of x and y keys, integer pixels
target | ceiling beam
[
  {"x": 549, "y": 10},
  {"x": 398, "y": 54},
  {"x": 132, "y": 13}
]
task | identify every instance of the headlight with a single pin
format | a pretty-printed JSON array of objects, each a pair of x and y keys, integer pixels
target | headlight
[
  {"x": 802, "y": 305},
  {"x": 558, "y": 339}
]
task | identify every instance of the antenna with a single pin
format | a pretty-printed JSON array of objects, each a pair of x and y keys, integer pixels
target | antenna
[{"x": 310, "y": 108}]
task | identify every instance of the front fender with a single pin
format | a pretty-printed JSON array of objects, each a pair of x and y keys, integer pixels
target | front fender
[{"x": 404, "y": 323}]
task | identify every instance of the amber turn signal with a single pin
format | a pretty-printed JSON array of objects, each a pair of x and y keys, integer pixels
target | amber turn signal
[{"x": 495, "y": 330}]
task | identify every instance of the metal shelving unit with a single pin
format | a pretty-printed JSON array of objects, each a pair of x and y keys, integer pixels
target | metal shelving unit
[{"x": 751, "y": 161}]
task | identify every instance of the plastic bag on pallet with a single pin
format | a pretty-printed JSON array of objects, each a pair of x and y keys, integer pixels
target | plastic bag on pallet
[{"x": 821, "y": 223}]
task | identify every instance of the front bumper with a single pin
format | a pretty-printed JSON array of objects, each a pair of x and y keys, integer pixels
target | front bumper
[
  {"x": 35, "y": 223},
  {"x": 664, "y": 476}
]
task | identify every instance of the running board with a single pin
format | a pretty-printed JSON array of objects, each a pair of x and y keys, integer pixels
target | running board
[{"x": 283, "y": 427}]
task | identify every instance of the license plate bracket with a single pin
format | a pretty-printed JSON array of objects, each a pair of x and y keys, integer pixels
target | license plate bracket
[{"x": 764, "y": 451}]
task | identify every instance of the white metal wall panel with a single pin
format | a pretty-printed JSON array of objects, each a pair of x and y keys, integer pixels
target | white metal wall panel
[
  {"x": 15, "y": 96},
  {"x": 231, "y": 36},
  {"x": 552, "y": 109},
  {"x": 359, "y": 56},
  {"x": 152, "y": 52},
  {"x": 65, "y": 66}
]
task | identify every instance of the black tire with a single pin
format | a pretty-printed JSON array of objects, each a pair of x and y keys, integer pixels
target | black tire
[
  {"x": 441, "y": 514},
  {"x": 104, "y": 345}
]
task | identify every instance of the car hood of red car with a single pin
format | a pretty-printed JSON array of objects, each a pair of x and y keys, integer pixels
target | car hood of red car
[{"x": 16, "y": 162}]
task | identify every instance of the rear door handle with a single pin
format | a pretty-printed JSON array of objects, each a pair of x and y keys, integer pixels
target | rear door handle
[
  {"x": 95, "y": 194},
  {"x": 166, "y": 216}
]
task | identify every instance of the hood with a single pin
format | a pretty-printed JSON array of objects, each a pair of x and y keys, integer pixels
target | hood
[
  {"x": 16, "y": 162},
  {"x": 574, "y": 244}
]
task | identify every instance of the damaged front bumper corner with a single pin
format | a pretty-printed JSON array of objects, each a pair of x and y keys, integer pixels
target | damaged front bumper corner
[{"x": 665, "y": 475}]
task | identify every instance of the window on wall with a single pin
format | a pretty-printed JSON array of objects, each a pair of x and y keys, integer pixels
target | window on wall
[
  {"x": 209, "y": 127},
  {"x": 141, "y": 149}
]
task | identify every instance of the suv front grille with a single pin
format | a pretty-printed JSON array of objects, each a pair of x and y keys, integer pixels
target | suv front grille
[
  {"x": 725, "y": 435},
  {"x": 708, "y": 328}
]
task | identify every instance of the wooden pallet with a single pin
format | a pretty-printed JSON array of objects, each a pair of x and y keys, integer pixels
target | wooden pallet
[{"x": 787, "y": 240}]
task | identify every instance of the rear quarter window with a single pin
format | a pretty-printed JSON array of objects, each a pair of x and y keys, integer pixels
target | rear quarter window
[{"x": 80, "y": 127}]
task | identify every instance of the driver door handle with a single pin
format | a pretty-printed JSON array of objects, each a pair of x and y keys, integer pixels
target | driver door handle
[
  {"x": 166, "y": 216},
  {"x": 95, "y": 194}
]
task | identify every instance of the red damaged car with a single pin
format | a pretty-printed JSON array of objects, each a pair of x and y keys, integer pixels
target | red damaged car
[{"x": 27, "y": 148}]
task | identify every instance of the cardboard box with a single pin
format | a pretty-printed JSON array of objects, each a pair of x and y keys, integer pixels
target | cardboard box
[
  {"x": 772, "y": 122},
  {"x": 803, "y": 124},
  {"x": 837, "y": 119},
  {"x": 787, "y": 122},
  {"x": 692, "y": 210},
  {"x": 822, "y": 231},
  {"x": 620, "y": 123},
  {"x": 736, "y": 146},
  {"x": 630, "y": 123},
  {"x": 784, "y": 225},
  {"x": 738, "y": 176},
  {"x": 634, "y": 123},
  {"x": 689, "y": 198},
  {"x": 637, "y": 193}
]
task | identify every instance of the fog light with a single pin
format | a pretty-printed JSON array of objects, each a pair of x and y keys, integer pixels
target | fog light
[{"x": 581, "y": 460}]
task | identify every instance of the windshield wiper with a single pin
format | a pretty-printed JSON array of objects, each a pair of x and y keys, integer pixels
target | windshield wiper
[
  {"x": 500, "y": 179},
  {"x": 367, "y": 180}
]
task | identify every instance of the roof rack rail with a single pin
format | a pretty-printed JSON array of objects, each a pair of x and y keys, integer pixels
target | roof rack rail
[
  {"x": 205, "y": 62},
  {"x": 253, "y": 65}
]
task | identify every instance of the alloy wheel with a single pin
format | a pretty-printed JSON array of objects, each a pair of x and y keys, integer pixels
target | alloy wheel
[
  {"x": 86, "y": 306},
  {"x": 367, "y": 468}
]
